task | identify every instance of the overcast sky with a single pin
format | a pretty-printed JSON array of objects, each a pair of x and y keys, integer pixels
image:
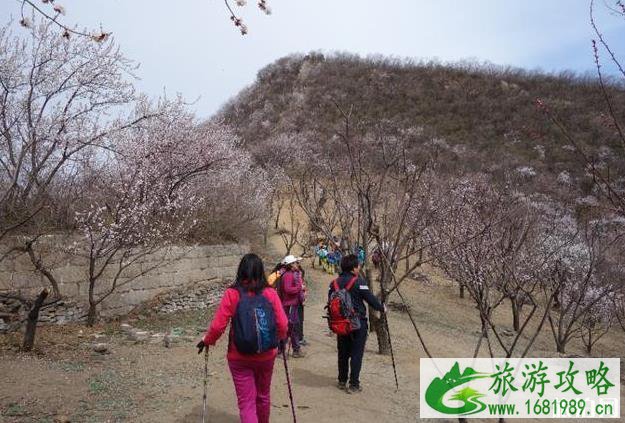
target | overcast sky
[{"x": 191, "y": 47}]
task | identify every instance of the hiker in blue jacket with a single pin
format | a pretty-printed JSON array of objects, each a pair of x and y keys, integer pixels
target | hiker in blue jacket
[
  {"x": 351, "y": 348},
  {"x": 361, "y": 255}
]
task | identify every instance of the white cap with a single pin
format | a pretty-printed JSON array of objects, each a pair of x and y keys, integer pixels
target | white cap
[{"x": 291, "y": 259}]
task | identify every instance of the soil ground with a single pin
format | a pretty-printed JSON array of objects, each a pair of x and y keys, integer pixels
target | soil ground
[{"x": 63, "y": 380}]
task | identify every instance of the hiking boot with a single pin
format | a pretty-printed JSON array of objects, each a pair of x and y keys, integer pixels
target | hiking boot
[
  {"x": 299, "y": 354},
  {"x": 303, "y": 342},
  {"x": 342, "y": 386},
  {"x": 354, "y": 389}
]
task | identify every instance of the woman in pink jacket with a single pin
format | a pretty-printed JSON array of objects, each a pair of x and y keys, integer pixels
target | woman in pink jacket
[
  {"x": 292, "y": 295},
  {"x": 251, "y": 372}
]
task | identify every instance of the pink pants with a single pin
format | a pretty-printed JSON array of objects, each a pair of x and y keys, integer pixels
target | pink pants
[{"x": 252, "y": 382}]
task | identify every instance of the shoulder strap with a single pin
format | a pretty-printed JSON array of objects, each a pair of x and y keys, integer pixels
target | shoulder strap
[
  {"x": 335, "y": 284},
  {"x": 351, "y": 283}
]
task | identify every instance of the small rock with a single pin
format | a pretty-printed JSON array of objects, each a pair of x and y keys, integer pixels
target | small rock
[
  {"x": 157, "y": 338},
  {"x": 101, "y": 348},
  {"x": 62, "y": 419},
  {"x": 125, "y": 327},
  {"x": 507, "y": 332},
  {"x": 137, "y": 335}
]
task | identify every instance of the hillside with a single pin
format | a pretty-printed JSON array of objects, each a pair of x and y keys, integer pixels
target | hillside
[{"x": 485, "y": 115}]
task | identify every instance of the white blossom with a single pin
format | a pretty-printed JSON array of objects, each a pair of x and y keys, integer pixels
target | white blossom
[
  {"x": 564, "y": 178},
  {"x": 526, "y": 171},
  {"x": 59, "y": 9}
]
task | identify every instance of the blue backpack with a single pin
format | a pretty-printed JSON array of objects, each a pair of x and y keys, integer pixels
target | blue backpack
[{"x": 254, "y": 324}]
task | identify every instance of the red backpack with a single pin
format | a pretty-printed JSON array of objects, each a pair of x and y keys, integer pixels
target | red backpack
[{"x": 342, "y": 318}]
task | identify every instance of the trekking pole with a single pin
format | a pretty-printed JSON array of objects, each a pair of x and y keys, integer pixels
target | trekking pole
[
  {"x": 414, "y": 324},
  {"x": 205, "y": 385},
  {"x": 288, "y": 383},
  {"x": 289, "y": 333},
  {"x": 390, "y": 344}
]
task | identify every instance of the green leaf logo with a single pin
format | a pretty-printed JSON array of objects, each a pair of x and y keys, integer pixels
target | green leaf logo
[{"x": 469, "y": 397}]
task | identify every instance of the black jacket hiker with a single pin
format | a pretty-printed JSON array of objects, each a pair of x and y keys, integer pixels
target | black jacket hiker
[{"x": 352, "y": 347}]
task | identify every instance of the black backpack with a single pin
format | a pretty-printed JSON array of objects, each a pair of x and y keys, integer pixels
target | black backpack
[{"x": 254, "y": 324}]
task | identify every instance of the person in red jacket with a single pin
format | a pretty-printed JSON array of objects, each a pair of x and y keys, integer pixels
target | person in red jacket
[{"x": 251, "y": 373}]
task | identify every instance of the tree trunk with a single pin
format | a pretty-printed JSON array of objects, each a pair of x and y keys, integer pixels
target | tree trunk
[
  {"x": 381, "y": 329},
  {"x": 384, "y": 339},
  {"x": 92, "y": 314},
  {"x": 516, "y": 312},
  {"x": 590, "y": 343},
  {"x": 560, "y": 347},
  {"x": 31, "y": 322},
  {"x": 277, "y": 222},
  {"x": 556, "y": 300}
]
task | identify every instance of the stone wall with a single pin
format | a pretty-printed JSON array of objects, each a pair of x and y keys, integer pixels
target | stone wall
[{"x": 175, "y": 268}]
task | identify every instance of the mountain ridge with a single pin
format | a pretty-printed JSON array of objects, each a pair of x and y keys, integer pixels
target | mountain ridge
[{"x": 487, "y": 114}]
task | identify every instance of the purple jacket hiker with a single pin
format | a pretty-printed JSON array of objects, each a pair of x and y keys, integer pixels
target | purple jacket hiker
[{"x": 292, "y": 295}]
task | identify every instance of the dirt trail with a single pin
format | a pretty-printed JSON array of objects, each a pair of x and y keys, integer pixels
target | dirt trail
[{"x": 314, "y": 376}]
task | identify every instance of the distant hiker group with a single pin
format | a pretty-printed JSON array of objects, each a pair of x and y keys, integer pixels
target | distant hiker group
[
  {"x": 329, "y": 256},
  {"x": 266, "y": 317}
]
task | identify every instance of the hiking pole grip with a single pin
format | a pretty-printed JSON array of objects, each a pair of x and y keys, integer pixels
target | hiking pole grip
[{"x": 288, "y": 383}]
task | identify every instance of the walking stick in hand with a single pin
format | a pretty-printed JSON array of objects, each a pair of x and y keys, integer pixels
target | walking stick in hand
[
  {"x": 201, "y": 346},
  {"x": 390, "y": 344},
  {"x": 205, "y": 385},
  {"x": 288, "y": 383}
]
